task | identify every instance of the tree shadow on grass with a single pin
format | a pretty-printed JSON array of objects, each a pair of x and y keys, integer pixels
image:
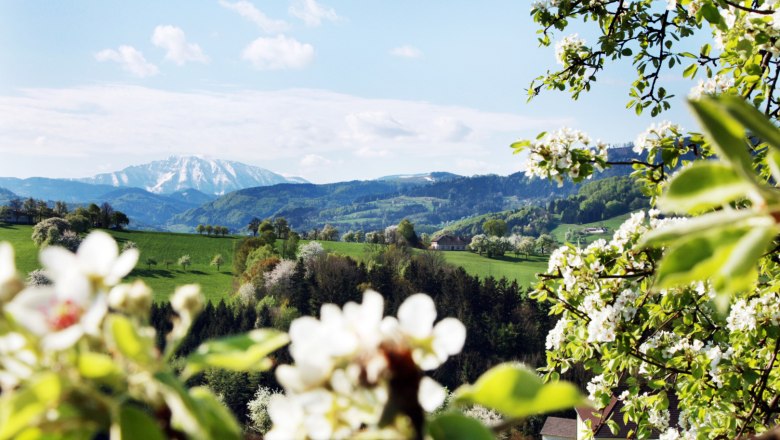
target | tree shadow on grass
[
  {"x": 522, "y": 259},
  {"x": 153, "y": 273}
]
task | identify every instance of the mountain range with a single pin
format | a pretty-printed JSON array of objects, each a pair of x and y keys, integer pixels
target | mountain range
[{"x": 162, "y": 202}]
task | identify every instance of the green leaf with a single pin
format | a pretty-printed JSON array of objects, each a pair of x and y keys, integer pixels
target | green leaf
[
  {"x": 702, "y": 186},
  {"x": 697, "y": 225},
  {"x": 696, "y": 258},
  {"x": 726, "y": 256},
  {"x": 739, "y": 271},
  {"x": 22, "y": 407},
  {"x": 219, "y": 420},
  {"x": 185, "y": 413},
  {"x": 127, "y": 339},
  {"x": 454, "y": 426},
  {"x": 753, "y": 119},
  {"x": 247, "y": 352},
  {"x": 726, "y": 133},
  {"x": 137, "y": 424},
  {"x": 690, "y": 71},
  {"x": 711, "y": 13},
  {"x": 773, "y": 160},
  {"x": 96, "y": 365},
  {"x": 517, "y": 391},
  {"x": 520, "y": 145}
]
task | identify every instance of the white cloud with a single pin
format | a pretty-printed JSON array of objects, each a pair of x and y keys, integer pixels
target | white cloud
[
  {"x": 376, "y": 125},
  {"x": 407, "y": 51},
  {"x": 363, "y": 138},
  {"x": 314, "y": 160},
  {"x": 178, "y": 50},
  {"x": 474, "y": 166},
  {"x": 313, "y": 13},
  {"x": 450, "y": 129},
  {"x": 278, "y": 53},
  {"x": 131, "y": 60},
  {"x": 371, "y": 152},
  {"x": 256, "y": 16}
]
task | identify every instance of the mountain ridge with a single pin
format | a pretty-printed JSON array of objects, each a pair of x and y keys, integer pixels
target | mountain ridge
[{"x": 177, "y": 173}]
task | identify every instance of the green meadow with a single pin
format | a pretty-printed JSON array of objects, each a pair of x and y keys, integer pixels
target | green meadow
[
  {"x": 520, "y": 269},
  {"x": 161, "y": 246},
  {"x": 611, "y": 223},
  {"x": 216, "y": 284}
]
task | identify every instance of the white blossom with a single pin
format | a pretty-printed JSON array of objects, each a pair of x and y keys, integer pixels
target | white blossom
[
  {"x": 571, "y": 46},
  {"x": 557, "y": 335},
  {"x": 59, "y": 315},
  {"x": 431, "y": 345},
  {"x": 97, "y": 262},
  {"x": 338, "y": 383},
  {"x": 17, "y": 360},
  {"x": 742, "y": 316},
  {"x": 713, "y": 86},
  {"x": 280, "y": 275},
  {"x": 598, "y": 387},
  {"x": 562, "y": 153},
  {"x": 656, "y": 135}
]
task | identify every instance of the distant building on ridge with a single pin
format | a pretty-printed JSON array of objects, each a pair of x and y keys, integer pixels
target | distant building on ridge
[{"x": 449, "y": 242}]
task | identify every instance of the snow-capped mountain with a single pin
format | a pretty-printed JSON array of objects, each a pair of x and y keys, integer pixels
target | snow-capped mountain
[{"x": 210, "y": 176}]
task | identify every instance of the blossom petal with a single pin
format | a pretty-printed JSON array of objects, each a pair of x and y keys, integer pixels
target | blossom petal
[
  {"x": 449, "y": 335},
  {"x": 7, "y": 265},
  {"x": 430, "y": 394},
  {"x": 94, "y": 316},
  {"x": 289, "y": 378},
  {"x": 63, "y": 339},
  {"x": 58, "y": 261},
  {"x": 98, "y": 253},
  {"x": 287, "y": 417},
  {"x": 123, "y": 266},
  {"x": 416, "y": 315},
  {"x": 26, "y": 308},
  {"x": 373, "y": 306},
  {"x": 74, "y": 287},
  {"x": 303, "y": 328}
]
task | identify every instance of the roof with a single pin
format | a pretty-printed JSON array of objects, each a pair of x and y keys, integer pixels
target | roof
[
  {"x": 614, "y": 410},
  {"x": 560, "y": 427},
  {"x": 450, "y": 240}
]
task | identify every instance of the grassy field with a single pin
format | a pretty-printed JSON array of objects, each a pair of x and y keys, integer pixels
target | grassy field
[
  {"x": 163, "y": 246},
  {"x": 510, "y": 267},
  {"x": 611, "y": 223},
  {"x": 158, "y": 245}
]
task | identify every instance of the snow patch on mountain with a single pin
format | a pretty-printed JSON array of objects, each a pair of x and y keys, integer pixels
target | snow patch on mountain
[{"x": 208, "y": 175}]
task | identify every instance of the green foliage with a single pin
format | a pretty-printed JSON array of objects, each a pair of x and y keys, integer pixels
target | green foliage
[
  {"x": 494, "y": 227},
  {"x": 456, "y": 426},
  {"x": 516, "y": 391},
  {"x": 245, "y": 352},
  {"x": 20, "y": 410}
]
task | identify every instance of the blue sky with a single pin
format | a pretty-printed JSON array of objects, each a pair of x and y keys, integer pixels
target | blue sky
[{"x": 329, "y": 90}]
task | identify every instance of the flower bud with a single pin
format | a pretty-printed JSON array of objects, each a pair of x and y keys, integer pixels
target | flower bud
[
  {"x": 187, "y": 300},
  {"x": 134, "y": 299}
]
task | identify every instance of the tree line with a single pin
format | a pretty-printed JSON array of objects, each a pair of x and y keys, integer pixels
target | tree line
[
  {"x": 212, "y": 229},
  {"x": 32, "y": 211}
]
